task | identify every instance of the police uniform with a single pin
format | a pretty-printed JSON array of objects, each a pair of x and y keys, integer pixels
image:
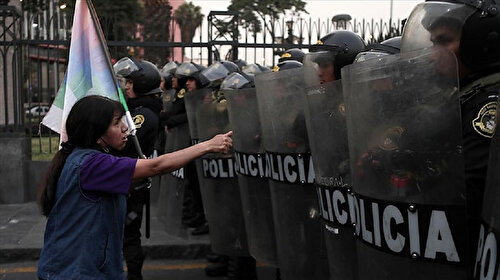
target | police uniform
[
  {"x": 177, "y": 115},
  {"x": 145, "y": 112},
  {"x": 479, "y": 106}
]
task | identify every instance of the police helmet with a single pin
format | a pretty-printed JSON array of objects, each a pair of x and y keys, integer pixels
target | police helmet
[
  {"x": 285, "y": 65},
  {"x": 476, "y": 23},
  {"x": 169, "y": 69},
  {"x": 255, "y": 68},
  {"x": 237, "y": 80},
  {"x": 189, "y": 70},
  {"x": 292, "y": 54},
  {"x": 387, "y": 47},
  {"x": 218, "y": 71},
  {"x": 144, "y": 75},
  {"x": 338, "y": 48},
  {"x": 240, "y": 62}
]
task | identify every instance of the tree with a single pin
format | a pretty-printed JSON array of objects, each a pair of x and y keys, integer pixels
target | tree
[
  {"x": 118, "y": 18},
  {"x": 156, "y": 28},
  {"x": 188, "y": 17},
  {"x": 253, "y": 12}
]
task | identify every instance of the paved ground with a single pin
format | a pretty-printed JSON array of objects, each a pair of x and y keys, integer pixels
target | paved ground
[
  {"x": 152, "y": 270},
  {"x": 22, "y": 227}
]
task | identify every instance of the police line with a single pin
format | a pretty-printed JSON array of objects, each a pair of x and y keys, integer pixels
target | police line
[{"x": 420, "y": 232}]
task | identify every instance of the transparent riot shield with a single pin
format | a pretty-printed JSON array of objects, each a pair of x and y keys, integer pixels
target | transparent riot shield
[
  {"x": 299, "y": 237},
  {"x": 174, "y": 184},
  {"x": 327, "y": 131},
  {"x": 193, "y": 101},
  {"x": 486, "y": 256},
  {"x": 404, "y": 131},
  {"x": 221, "y": 191},
  {"x": 251, "y": 165}
]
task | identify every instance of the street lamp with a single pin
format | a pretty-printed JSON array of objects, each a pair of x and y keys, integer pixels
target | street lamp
[{"x": 341, "y": 20}]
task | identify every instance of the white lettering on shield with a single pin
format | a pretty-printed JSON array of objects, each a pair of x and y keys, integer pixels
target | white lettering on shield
[
  {"x": 293, "y": 168},
  {"x": 487, "y": 257},
  {"x": 439, "y": 235},
  {"x": 179, "y": 173},
  {"x": 219, "y": 168},
  {"x": 250, "y": 164}
]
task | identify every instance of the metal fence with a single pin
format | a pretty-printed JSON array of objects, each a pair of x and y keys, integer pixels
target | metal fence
[{"x": 34, "y": 50}]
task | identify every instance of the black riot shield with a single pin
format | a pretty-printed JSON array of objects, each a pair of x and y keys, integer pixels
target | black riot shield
[
  {"x": 221, "y": 193},
  {"x": 251, "y": 165},
  {"x": 327, "y": 131},
  {"x": 174, "y": 184},
  {"x": 404, "y": 129},
  {"x": 299, "y": 237},
  {"x": 486, "y": 256}
]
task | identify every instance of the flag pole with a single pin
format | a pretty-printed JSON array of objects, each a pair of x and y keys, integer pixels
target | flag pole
[{"x": 128, "y": 116}]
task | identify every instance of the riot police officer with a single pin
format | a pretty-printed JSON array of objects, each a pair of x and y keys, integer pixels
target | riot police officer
[
  {"x": 469, "y": 29},
  {"x": 292, "y": 54},
  {"x": 185, "y": 79},
  {"x": 166, "y": 73},
  {"x": 254, "y": 68},
  {"x": 334, "y": 51},
  {"x": 287, "y": 64},
  {"x": 241, "y": 63},
  {"x": 214, "y": 75},
  {"x": 143, "y": 99},
  {"x": 386, "y": 47}
]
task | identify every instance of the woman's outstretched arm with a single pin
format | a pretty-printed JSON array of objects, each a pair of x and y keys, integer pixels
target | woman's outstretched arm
[{"x": 220, "y": 143}]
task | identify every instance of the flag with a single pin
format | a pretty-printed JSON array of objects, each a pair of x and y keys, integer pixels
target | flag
[{"x": 88, "y": 71}]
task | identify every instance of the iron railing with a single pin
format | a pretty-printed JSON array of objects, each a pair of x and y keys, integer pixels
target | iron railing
[{"x": 34, "y": 50}]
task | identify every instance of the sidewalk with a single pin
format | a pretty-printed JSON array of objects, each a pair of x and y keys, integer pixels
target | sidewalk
[{"x": 22, "y": 227}]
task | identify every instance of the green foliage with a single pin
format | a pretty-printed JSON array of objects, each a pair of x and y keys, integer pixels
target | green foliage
[
  {"x": 189, "y": 17},
  {"x": 253, "y": 12},
  {"x": 118, "y": 19},
  {"x": 156, "y": 29}
]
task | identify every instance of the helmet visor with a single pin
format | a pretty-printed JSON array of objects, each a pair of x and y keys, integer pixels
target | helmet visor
[
  {"x": 235, "y": 81},
  {"x": 320, "y": 57},
  {"x": 435, "y": 23},
  {"x": 364, "y": 56},
  {"x": 255, "y": 68},
  {"x": 186, "y": 69},
  {"x": 215, "y": 72},
  {"x": 125, "y": 66},
  {"x": 169, "y": 68}
]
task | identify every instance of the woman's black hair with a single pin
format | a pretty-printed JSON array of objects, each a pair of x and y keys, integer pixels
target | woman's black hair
[{"x": 87, "y": 121}]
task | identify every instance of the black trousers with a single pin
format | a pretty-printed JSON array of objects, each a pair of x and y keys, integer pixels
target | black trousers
[{"x": 132, "y": 248}]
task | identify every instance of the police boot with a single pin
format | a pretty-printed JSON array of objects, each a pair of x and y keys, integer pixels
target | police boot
[
  {"x": 241, "y": 268},
  {"x": 217, "y": 269}
]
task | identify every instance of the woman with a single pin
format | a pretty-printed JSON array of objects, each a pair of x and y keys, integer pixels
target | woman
[{"x": 83, "y": 193}]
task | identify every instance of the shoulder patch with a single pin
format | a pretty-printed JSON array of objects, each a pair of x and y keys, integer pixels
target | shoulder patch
[
  {"x": 139, "y": 120},
  {"x": 181, "y": 93},
  {"x": 167, "y": 97},
  {"x": 485, "y": 122}
]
